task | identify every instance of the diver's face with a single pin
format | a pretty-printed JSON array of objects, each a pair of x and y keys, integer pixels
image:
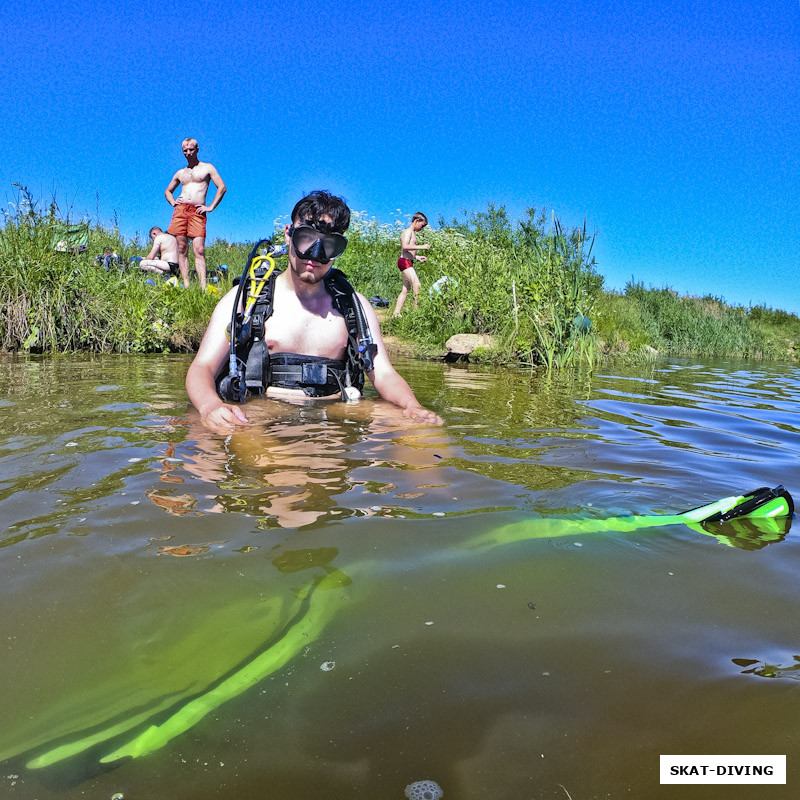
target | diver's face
[{"x": 306, "y": 270}]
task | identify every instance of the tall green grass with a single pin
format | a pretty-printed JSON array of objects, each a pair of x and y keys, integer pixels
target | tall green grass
[
  {"x": 523, "y": 284},
  {"x": 529, "y": 284},
  {"x": 60, "y": 302},
  {"x": 691, "y": 326}
]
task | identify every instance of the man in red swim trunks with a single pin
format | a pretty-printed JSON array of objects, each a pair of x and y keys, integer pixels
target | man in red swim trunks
[
  {"x": 408, "y": 243},
  {"x": 189, "y": 217}
]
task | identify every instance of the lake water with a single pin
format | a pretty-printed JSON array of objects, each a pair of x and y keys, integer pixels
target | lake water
[{"x": 301, "y": 610}]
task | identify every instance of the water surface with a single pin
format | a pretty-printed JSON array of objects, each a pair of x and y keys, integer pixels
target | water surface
[{"x": 146, "y": 559}]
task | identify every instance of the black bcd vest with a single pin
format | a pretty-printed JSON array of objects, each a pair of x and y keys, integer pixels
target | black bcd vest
[{"x": 316, "y": 376}]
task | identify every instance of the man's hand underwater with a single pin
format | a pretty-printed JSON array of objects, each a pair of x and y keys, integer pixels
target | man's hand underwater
[
  {"x": 224, "y": 418},
  {"x": 419, "y": 414}
]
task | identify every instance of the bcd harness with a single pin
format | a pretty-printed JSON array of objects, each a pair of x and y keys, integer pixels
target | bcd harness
[{"x": 251, "y": 367}]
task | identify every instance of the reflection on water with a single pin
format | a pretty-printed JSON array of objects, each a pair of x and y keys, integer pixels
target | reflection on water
[
  {"x": 764, "y": 670},
  {"x": 147, "y": 566}
]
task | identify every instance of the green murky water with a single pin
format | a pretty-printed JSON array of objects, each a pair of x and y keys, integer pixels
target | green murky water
[{"x": 146, "y": 564}]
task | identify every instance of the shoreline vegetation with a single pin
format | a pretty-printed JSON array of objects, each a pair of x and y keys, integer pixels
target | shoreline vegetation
[{"x": 532, "y": 286}]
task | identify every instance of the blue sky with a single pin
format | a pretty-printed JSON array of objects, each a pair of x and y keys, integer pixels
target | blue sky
[{"x": 673, "y": 129}]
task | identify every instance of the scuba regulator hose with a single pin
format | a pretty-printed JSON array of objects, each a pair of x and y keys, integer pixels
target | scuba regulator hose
[
  {"x": 232, "y": 387},
  {"x": 366, "y": 345}
]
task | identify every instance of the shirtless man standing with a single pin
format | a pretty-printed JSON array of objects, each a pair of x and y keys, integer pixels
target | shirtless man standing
[
  {"x": 189, "y": 217},
  {"x": 408, "y": 243},
  {"x": 164, "y": 255}
]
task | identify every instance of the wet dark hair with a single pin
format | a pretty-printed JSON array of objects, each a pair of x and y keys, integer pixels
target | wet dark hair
[{"x": 321, "y": 204}]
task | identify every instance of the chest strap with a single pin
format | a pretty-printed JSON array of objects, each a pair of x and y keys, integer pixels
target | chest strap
[{"x": 315, "y": 375}]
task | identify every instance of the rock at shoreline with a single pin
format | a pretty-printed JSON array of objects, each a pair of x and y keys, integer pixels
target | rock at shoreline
[{"x": 460, "y": 346}]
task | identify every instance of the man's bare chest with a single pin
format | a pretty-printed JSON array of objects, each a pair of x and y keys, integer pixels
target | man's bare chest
[
  {"x": 196, "y": 174},
  {"x": 293, "y": 329}
]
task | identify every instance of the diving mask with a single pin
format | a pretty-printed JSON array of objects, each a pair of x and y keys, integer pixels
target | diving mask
[{"x": 315, "y": 245}]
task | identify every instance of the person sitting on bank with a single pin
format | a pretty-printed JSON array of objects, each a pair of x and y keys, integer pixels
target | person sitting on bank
[
  {"x": 307, "y": 334},
  {"x": 163, "y": 257},
  {"x": 110, "y": 258}
]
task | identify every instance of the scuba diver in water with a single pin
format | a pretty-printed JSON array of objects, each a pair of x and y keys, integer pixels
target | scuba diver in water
[{"x": 303, "y": 332}]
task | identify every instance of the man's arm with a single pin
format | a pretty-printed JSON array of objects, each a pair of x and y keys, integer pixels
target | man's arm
[
  {"x": 173, "y": 185},
  {"x": 155, "y": 252},
  {"x": 201, "y": 377},
  {"x": 218, "y": 195},
  {"x": 389, "y": 383}
]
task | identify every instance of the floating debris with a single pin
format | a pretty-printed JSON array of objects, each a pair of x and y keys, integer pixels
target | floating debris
[
  {"x": 178, "y": 504},
  {"x": 182, "y": 549},
  {"x": 424, "y": 790}
]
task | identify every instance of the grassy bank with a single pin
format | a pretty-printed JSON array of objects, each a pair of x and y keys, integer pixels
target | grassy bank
[
  {"x": 531, "y": 285},
  {"x": 642, "y": 320},
  {"x": 523, "y": 284},
  {"x": 62, "y": 301}
]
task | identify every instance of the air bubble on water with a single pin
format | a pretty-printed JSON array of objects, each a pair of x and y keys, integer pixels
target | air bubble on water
[
  {"x": 117, "y": 796},
  {"x": 424, "y": 790},
  {"x": 327, "y": 666}
]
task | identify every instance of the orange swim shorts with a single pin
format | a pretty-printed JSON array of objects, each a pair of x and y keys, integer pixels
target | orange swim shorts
[
  {"x": 404, "y": 263},
  {"x": 187, "y": 222}
]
